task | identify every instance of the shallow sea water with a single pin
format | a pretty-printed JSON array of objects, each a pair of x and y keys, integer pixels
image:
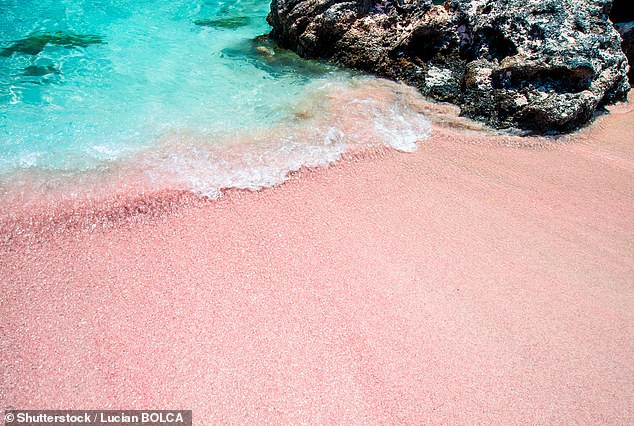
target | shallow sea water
[{"x": 130, "y": 95}]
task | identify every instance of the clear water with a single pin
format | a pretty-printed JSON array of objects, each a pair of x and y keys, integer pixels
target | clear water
[{"x": 178, "y": 91}]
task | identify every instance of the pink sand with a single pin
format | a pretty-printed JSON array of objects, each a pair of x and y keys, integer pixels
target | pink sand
[{"x": 470, "y": 282}]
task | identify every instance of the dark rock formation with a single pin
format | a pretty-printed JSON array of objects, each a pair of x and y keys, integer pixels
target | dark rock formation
[
  {"x": 543, "y": 66},
  {"x": 627, "y": 33},
  {"x": 622, "y": 14}
]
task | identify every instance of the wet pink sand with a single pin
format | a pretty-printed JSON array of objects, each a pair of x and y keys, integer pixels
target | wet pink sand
[{"x": 474, "y": 281}]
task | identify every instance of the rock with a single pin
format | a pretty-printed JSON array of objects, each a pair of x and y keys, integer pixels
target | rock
[
  {"x": 622, "y": 14},
  {"x": 541, "y": 66},
  {"x": 263, "y": 54},
  {"x": 40, "y": 70},
  {"x": 226, "y": 23},
  {"x": 35, "y": 43},
  {"x": 627, "y": 33}
]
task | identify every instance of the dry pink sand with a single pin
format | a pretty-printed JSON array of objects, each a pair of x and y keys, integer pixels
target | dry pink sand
[{"x": 469, "y": 282}]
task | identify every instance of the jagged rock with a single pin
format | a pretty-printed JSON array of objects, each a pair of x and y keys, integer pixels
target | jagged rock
[
  {"x": 622, "y": 14},
  {"x": 627, "y": 33},
  {"x": 541, "y": 66}
]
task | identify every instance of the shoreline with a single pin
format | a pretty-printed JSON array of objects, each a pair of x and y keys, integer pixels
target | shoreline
[
  {"x": 58, "y": 213},
  {"x": 467, "y": 282}
]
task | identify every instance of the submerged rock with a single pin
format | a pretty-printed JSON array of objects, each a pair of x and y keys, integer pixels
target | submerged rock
[
  {"x": 263, "y": 54},
  {"x": 541, "y": 66},
  {"x": 226, "y": 23},
  {"x": 40, "y": 70},
  {"x": 35, "y": 43}
]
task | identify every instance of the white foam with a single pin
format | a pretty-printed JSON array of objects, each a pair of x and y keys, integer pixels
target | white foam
[{"x": 332, "y": 118}]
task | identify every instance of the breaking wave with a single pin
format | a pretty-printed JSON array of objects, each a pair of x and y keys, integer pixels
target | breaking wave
[{"x": 331, "y": 118}]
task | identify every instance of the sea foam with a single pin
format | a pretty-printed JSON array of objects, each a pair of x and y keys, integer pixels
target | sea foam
[{"x": 330, "y": 119}]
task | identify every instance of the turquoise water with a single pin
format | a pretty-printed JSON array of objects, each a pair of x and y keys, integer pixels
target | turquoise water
[{"x": 172, "y": 86}]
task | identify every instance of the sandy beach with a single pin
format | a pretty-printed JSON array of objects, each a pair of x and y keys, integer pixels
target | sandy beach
[{"x": 481, "y": 279}]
